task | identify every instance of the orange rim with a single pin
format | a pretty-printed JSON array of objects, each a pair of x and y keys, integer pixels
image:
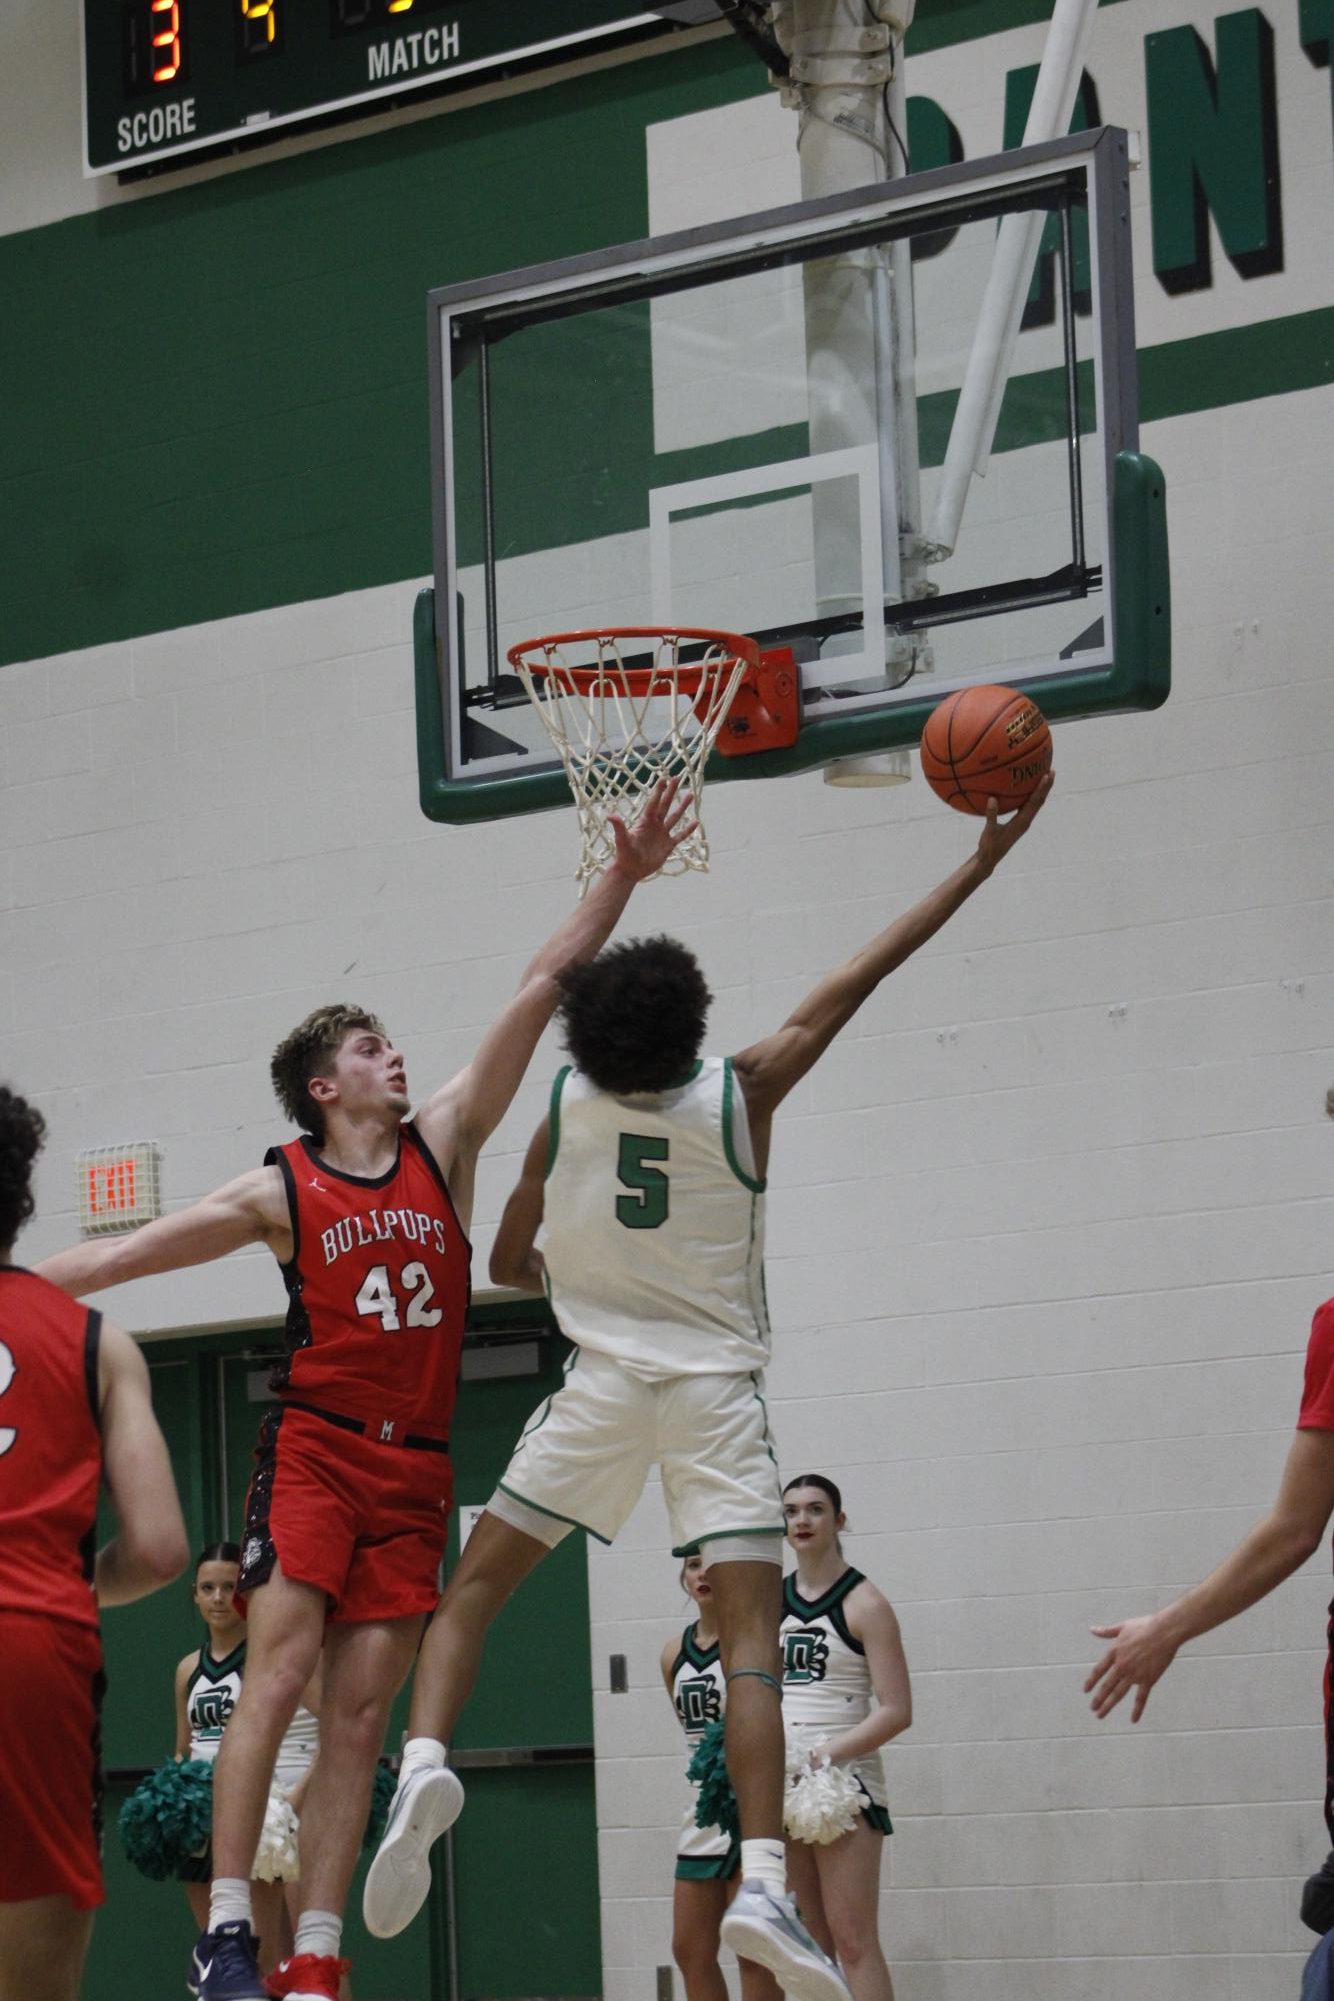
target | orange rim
[{"x": 689, "y": 677}]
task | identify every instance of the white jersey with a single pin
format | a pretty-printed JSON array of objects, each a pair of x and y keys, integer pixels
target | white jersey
[
  {"x": 826, "y": 1682},
  {"x": 699, "y": 1687},
  {"x": 654, "y": 1225},
  {"x": 699, "y": 1692},
  {"x": 210, "y": 1698}
]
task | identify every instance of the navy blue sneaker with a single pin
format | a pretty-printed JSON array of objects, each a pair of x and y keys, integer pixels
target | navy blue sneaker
[{"x": 225, "y": 1966}]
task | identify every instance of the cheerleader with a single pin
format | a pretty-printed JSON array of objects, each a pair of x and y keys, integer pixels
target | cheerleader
[
  {"x": 845, "y": 1695},
  {"x": 707, "y": 1860}
]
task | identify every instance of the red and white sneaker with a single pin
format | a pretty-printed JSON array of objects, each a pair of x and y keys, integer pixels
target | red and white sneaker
[{"x": 308, "y": 1976}]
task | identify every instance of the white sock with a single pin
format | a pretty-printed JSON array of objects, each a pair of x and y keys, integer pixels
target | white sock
[
  {"x": 320, "y": 1932},
  {"x": 229, "y": 1902},
  {"x": 765, "y": 1862},
  {"x": 421, "y": 1754}
]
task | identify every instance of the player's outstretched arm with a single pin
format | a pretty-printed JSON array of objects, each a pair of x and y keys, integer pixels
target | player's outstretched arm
[
  {"x": 461, "y": 1117},
  {"x": 770, "y": 1069},
  {"x": 513, "y": 1258},
  {"x": 1142, "y": 1650},
  {"x": 149, "y": 1548},
  {"x": 250, "y": 1210}
]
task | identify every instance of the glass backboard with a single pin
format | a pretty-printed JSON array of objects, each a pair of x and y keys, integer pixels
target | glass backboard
[{"x": 763, "y": 426}]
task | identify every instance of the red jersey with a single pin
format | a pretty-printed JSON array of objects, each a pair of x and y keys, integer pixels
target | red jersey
[
  {"x": 50, "y": 1449},
  {"x": 378, "y": 1288},
  {"x": 1317, "y": 1411}
]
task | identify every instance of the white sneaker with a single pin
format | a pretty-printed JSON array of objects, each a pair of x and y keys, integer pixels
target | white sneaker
[
  {"x": 768, "y": 1929},
  {"x": 429, "y": 1799}
]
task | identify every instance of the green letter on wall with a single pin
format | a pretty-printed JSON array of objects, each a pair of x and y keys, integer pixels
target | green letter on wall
[
  {"x": 1317, "y": 34},
  {"x": 933, "y": 141},
  {"x": 1213, "y": 150}
]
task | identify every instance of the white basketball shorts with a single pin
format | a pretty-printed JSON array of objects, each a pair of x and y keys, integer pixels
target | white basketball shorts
[{"x": 586, "y": 1452}]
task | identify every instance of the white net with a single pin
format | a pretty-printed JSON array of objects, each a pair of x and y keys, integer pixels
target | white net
[{"x": 624, "y": 709}]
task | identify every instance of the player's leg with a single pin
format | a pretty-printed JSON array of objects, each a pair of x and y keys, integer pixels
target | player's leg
[
  {"x": 365, "y": 1666},
  {"x": 43, "y": 1944},
  {"x": 495, "y": 1561},
  {"x": 284, "y": 1635},
  {"x": 849, "y": 1873},
  {"x": 428, "y": 1797},
  {"x": 581, "y": 1463},
  {"x": 697, "y": 1913},
  {"x": 749, "y": 1600}
]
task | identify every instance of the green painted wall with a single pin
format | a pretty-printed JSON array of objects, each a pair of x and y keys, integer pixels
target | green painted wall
[{"x": 217, "y": 396}]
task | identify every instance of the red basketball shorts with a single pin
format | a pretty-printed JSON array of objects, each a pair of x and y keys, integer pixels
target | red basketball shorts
[
  {"x": 362, "y": 1520},
  {"x": 50, "y": 1760}
]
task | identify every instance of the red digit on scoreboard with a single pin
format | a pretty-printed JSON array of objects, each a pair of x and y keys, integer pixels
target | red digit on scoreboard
[{"x": 167, "y": 36}]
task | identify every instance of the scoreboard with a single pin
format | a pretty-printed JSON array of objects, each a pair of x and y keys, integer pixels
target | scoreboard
[{"x": 164, "y": 78}]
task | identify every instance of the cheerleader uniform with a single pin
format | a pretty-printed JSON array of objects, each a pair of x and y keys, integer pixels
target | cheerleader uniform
[
  {"x": 827, "y": 1684},
  {"x": 699, "y": 1691},
  {"x": 210, "y": 1698}
]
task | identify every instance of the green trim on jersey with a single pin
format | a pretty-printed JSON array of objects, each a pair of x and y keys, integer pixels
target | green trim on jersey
[
  {"x": 715, "y": 1535},
  {"x": 553, "y": 1118},
  {"x": 553, "y": 1514},
  {"x": 819, "y": 1608},
  {"x": 729, "y": 1144},
  {"x": 691, "y": 1654},
  {"x": 679, "y": 1083},
  {"x": 216, "y": 1670}
]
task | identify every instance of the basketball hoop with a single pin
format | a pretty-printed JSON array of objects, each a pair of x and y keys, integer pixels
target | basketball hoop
[{"x": 627, "y": 705}]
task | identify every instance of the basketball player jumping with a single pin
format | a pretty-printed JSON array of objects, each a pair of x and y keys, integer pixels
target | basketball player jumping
[
  {"x": 648, "y": 1179},
  {"x": 74, "y": 1409},
  {"x": 367, "y": 1213}
]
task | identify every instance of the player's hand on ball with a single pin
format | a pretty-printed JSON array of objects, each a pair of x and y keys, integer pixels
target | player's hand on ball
[
  {"x": 659, "y": 826},
  {"x": 999, "y": 836},
  {"x": 1141, "y": 1652}
]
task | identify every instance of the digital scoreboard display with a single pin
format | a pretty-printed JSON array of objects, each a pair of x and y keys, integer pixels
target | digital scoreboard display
[{"x": 168, "y": 77}]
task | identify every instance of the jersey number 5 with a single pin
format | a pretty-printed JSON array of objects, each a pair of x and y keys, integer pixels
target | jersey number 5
[
  {"x": 378, "y": 1299},
  {"x": 8, "y": 1370},
  {"x": 646, "y": 1208}
]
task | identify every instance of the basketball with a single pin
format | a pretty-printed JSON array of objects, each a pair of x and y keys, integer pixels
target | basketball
[{"x": 985, "y": 743}]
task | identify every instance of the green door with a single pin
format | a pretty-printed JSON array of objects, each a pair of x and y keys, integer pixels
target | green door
[
  {"x": 526, "y": 1844},
  {"x": 524, "y": 1746}
]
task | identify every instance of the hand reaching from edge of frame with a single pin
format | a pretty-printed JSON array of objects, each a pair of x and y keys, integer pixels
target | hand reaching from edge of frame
[{"x": 1142, "y": 1650}]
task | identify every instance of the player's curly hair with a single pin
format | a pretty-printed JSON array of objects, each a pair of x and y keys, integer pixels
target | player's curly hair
[
  {"x": 634, "y": 1017},
  {"x": 309, "y": 1051},
  {"x": 22, "y": 1133}
]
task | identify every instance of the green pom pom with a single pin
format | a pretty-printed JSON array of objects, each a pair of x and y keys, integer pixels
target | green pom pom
[
  {"x": 715, "y": 1805},
  {"x": 382, "y": 1792},
  {"x": 168, "y": 1817}
]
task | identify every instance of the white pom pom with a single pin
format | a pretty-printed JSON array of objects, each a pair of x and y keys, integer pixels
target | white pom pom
[
  {"x": 276, "y": 1858},
  {"x": 822, "y": 1802}
]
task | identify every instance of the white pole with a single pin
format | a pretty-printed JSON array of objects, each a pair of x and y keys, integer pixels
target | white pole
[
  {"x": 1017, "y": 240},
  {"x": 843, "y": 62}
]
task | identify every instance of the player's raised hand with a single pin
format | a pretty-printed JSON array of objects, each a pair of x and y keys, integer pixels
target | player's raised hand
[
  {"x": 659, "y": 826},
  {"x": 999, "y": 836},
  {"x": 1141, "y": 1652}
]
